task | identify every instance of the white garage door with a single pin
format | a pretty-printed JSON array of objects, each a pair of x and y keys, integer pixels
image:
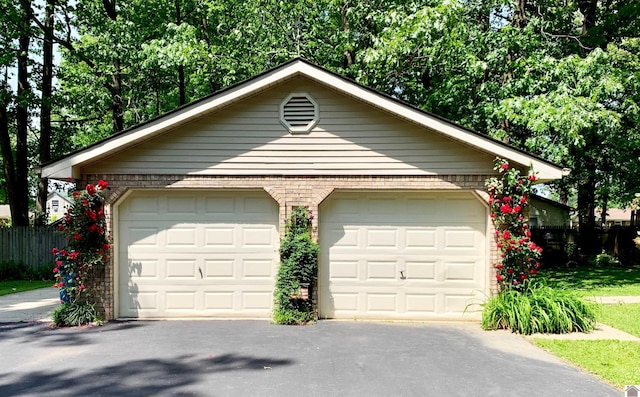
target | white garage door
[
  {"x": 197, "y": 254},
  {"x": 401, "y": 255}
]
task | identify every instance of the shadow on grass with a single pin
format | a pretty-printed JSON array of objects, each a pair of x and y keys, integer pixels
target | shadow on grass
[
  {"x": 586, "y": 278},
  {"x": 135, "y": 378}
]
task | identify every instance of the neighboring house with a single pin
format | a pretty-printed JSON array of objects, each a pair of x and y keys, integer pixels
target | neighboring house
[
  {"x": 57, "y": 205},
  {"x": 199, "y": 196},
  {"x": 546, "y": 212},
  {"x": 5, "y": 214},
  {"x": 615, "y": 217}
]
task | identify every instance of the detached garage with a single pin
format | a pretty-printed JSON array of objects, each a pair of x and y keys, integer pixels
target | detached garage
[{"x": 199, "y": 197}]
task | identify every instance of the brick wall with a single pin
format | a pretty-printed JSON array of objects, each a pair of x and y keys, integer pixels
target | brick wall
[{"x": 287, "y": 191}]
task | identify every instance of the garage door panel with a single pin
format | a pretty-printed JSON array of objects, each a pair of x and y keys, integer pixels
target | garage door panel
[
  {"x": 417, "y": 260},
  {"x": 198, "y": 253}
]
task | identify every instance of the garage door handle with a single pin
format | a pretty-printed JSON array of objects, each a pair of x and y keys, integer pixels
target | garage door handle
[
  {"x": 402, "y": 274},
  {"x": 200, "y": 270}
]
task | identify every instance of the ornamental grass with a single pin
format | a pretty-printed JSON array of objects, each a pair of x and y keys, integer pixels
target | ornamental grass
[{"x": 538, "y": 308}]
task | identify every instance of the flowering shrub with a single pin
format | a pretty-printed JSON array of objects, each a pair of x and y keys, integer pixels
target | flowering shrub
[
  {"x": 84, "y": 227},
  {"x": 509, "y": 200}
]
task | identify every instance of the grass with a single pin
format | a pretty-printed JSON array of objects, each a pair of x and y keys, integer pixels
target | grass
[
  {"x": 614, "y": 361},
  {"x": 13, "y": 286},
  {"x": 623, "y": 317},
  {"x": 596, "y": 281}
]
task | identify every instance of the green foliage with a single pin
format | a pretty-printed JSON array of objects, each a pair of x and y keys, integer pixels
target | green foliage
[
  {"x": 509, "y": 197},
  {"x": 538, "y": 308},
  {"x": 11, "y": 270},
  {"x": 74, "y": 314},
  {"x": 605, "y": 260},
  {"x": 298, "y": 269}
]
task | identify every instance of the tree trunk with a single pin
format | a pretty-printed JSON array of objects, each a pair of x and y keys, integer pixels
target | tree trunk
[
  {"x": 19, "y": 198},
  {"x": 588, "y": 242},
  {"x": 44, "y": 147},
  {"x": 117, "y": 109}
]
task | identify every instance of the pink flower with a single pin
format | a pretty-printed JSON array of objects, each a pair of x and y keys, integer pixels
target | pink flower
[
  {"x": 58, "y": 263},
  {"x": 532, "y": 178},
  {"x": 61, "y": 285},
  {"x": 56, "y": 270},
  {"x": 82, "y": 287},
  {"x": 505, "y": 166}
]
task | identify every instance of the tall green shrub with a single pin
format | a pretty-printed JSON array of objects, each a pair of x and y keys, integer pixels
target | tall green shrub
[{"x": 298, "y": 269}]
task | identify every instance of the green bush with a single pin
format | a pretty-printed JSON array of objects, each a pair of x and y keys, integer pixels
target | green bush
[
  {"x": 298, "y": 269},
  {"x": 73, "y": 314},
  {"x": 11, "y": 270},
  {"x": 538, "y": 308}
]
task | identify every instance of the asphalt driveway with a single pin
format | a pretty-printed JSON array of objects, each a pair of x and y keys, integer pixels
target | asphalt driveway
[{"x": 256, "y": 358}]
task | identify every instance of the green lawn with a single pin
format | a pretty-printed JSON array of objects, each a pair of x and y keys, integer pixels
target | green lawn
[
  {"x": 614, "y": 361},
  {"x": 596, "y": 281},
  {"x": 611, "y": 360},
  {"x": 10, "y": 287}
]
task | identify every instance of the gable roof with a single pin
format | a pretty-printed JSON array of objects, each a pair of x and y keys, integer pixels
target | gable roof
[
  {"x": 60, "y": 195},
  {"x": 70, "y": 165}
]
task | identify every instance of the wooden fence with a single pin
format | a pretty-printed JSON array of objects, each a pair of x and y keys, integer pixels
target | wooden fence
[{"x": 29, "y": 245}]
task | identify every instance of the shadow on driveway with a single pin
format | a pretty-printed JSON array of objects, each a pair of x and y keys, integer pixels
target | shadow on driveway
[{"x": 135, "y": 378}]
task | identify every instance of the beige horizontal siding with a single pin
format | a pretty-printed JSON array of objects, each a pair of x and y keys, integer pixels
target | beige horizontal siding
[{"x": 247, "y": 138}]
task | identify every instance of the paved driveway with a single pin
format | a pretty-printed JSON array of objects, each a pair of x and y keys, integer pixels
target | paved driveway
[{"x": 256, "y": 358}]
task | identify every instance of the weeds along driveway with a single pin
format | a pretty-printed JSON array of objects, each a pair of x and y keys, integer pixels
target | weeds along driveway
[{"x": 256, "y": 358}]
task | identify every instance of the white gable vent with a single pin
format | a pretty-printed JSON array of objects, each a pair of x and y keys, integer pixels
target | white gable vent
[{"x": 299, "y": 113}]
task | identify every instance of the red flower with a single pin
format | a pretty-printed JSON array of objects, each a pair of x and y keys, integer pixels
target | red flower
[
  {"x": 61, "y": 284},
  {"x": 56, "y": 270},
  {"x": 92, "y": 228},
  {"x": 102, "y": 184},
  {"x": 527, "y": 233},
  {"x": 73, "y": 255},
  {"x": 505, "y": 208},
  {"x": 510, "y": 271},
  {"x": 517, "y": 208},
  {"x": 505, "y": 166},
  {"x": 507, "y": 199},
  {"x": 91, "y": 189},
  {"x": 523, "y": 200},
  {"x": 82, "y": 287},
  {"x": 76, "y": 194},
  {"x": 506, "y": 235},
  {"x": 533, "y": 271},
  {"x": 532, "y": 178},
  {"x": 523, "y": 277},
  {"x": 106, "y": 247},
  {"x": 60, "y": 227},
  {"x": 499, "y": 277},
  {"x": 499, "y": 266},
  {"x": 77, "y": 236}
]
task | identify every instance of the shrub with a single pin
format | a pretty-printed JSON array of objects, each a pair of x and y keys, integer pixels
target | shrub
[
  {"x": 538, "y": 308},
  {"x": 298, "y": 269},
  {"x": 12, "y": 270},
  {"x": 73, "y": 314},
  {"x": 605, "y": 260}
]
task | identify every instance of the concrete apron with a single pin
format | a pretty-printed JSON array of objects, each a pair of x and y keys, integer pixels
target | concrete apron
[{"x": 29, "y": 306}]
